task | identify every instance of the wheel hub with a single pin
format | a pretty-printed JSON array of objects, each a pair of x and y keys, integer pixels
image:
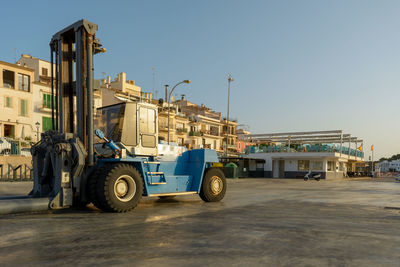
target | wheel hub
[
  {"x": 216, "y": 185},
  {"x": 122, "y": 188},
  {"x": 125, "y": 188}
]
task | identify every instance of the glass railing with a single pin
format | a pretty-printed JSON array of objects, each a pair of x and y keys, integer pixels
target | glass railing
[{"x": 305, "y": 148}]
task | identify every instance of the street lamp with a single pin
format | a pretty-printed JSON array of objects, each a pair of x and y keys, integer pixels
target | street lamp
[
  {"x": 230, "y": 79},
  {"x": 169, "y": 97},
  {"x": 37, "y": 130}
]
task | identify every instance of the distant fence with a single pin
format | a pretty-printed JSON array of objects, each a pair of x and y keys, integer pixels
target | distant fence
[
  {"x": 15, "y": 168},
  {"x": 22, "y": 172}
]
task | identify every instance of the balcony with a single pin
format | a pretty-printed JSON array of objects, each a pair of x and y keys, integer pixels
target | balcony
[
  {"x": 194, "y": 133},
  {"x": 182, "y": 130},
  {"x": 163, "y": 126},
  {"x": 209, "y": 132}
]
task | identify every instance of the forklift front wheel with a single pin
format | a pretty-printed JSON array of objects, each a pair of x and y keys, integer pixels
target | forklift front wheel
[
  {"x": 214, "y": 185},
  {"x": 120, "y": 188}
]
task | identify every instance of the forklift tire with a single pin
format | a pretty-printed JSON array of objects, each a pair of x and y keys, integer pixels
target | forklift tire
[
  {"x": 214, "y": 185},
  {"x": 119, "y": 188},
  {"x": 92, "y": 185}
]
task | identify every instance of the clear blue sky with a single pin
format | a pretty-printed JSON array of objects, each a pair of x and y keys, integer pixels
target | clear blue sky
[{"x": 297, "y": 65}]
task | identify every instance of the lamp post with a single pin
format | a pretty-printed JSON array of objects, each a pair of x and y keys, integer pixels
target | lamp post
[
  {"x": 169, "y": 97},
  {"x": 230, "y": 79},
  {"x": 37, "y": 130}
]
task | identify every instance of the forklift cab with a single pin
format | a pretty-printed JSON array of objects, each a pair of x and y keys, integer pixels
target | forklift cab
[{"x": 132, "y": 125}]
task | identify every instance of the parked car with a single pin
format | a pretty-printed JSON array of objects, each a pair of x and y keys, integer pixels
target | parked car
[
  {"x": 398, "y": 177},
  {"x": 26, "y": 151},
  {"x": 5, "y": 146}
]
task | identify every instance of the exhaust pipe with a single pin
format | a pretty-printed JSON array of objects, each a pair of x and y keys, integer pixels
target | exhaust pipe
[{"x": 23, "y": 204}]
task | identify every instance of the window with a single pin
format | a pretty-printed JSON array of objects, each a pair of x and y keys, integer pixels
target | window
[
  {"x": 46, "y": 124},
  {"x": 9, "y": 130},
  {"x": 147, "y": 120},
  {"x": 8, "y": 79},
  {"x": 44, "y": 71},
  {"x": 23, "y": 82},
  {"x": 317, "y": 165},
  {"x": 47, "y": 100},
  {"x": 181, "y": 141},
  {"x": 331, "y": 166},
  {"x": 8, "y": 102},
  {"x": 23, "y": 108},
  {"x": 303, "y": 165}
]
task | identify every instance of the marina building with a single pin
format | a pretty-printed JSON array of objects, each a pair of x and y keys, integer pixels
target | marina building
[{"x": 293, "y": 155}]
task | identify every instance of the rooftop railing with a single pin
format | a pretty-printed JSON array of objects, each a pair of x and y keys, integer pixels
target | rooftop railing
[{"x": 305, "y": 148}]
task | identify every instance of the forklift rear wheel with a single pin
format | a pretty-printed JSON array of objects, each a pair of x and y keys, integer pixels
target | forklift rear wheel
[
  {"x": 214, "y": 185},
  {"x": 120, "y": 188}
]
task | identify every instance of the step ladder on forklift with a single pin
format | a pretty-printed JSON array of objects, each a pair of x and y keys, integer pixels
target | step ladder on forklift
[{"x": 157, "y": 173}]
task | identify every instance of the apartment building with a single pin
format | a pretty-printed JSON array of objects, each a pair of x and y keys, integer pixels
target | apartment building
[
  {"x": 41, "y": 92},
  {"x": 242, "y": 140},
  {"x": 120, "y": 90},
  {"x": 207, "y": 129},
  {"x": 178, "y": 123},
  {"x": 16, "y": 118}
]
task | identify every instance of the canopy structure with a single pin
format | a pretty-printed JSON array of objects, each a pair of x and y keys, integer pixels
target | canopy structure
[
  {"x": 314, "y": 141},
  {"x": 313, "y": 137}
]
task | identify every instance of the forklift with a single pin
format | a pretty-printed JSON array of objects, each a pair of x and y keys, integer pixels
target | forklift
[{"x": 110, "y": 158}]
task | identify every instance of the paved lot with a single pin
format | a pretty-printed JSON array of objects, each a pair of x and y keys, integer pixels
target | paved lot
[{"x": 261, "y": 222}]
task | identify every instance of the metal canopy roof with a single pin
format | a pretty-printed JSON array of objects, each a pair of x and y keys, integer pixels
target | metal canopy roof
[{"x": 313, "y": 137}]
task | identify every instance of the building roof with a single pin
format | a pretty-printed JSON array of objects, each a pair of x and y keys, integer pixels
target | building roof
[{"x": 16, "y": 66}]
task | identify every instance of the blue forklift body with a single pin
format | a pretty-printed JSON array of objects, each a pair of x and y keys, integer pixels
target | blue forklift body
[{"x": 182, "y": 175}]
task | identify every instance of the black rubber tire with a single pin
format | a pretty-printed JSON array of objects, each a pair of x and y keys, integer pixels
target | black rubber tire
[
  {"x": 206, "y": 192},
  {"x": 92, "y": 184},
  {"x": 106, "y": 198},
  {"x": 166, "y": 197},
  {"x": 318, "y": 179}
]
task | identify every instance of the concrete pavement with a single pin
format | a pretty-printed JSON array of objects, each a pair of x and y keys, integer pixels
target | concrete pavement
[{"x": 261, "y": 222}]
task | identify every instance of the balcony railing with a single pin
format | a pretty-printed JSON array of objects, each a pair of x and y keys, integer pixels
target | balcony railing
[
  {"x": 194, "y": 133},
  {"x": 215, "y": 133},
  {"x": 181, "y": 130}
]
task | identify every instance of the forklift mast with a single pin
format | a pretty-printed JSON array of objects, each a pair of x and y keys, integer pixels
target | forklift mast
[
  {"x": 73, "y": 49},
  {"x": 64, "y": 156}
]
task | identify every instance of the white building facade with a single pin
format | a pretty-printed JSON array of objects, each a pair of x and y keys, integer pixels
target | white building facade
[
  {"x": 16, "y": 116},
  {"x": 41, "y": 88},
  {"x": 389, "y": 166}
]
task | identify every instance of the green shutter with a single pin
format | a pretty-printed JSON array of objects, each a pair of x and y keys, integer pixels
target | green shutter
[
  {"x": 23, "y": 110},
  {"x": 47, "y": 100},
  {"x": 46, "y": 124}
]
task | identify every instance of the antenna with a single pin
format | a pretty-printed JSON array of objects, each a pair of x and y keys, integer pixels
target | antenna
[
  {"x": 15, "y": 55},
  {"x": 154, "y": 83}
]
